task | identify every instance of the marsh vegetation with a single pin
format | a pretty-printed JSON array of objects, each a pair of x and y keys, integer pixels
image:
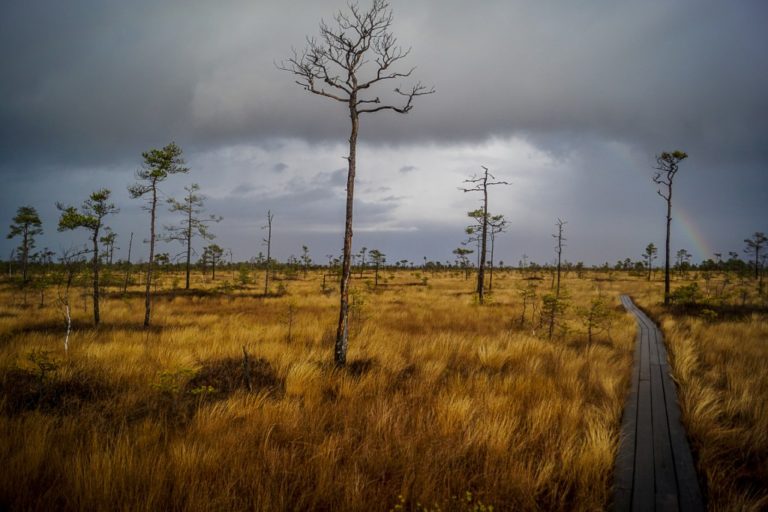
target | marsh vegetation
[{"x": 231, "y": 399}]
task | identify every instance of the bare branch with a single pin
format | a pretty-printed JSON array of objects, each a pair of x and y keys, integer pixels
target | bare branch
[
  {"x": 482, "y": 182},
  {"x": 417, "y": 90},
  {"x": 311, "y": 68},
  {"x": 329, "y": 66}
]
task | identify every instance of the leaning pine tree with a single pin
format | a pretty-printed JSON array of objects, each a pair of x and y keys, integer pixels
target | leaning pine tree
[
  {"x": 345, "y": 64},
  {"x": 667, "y": 165},
  {"x": 157, "y": 166}
]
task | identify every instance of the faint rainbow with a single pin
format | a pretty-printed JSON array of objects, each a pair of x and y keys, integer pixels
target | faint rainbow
[{"x": 692, "y": 232}]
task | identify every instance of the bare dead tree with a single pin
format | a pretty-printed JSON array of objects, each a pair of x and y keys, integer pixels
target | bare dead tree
[
  {"x": 192, "y": 224},
  {"x": 345, "y": 64},
  {"x": 555, "y": 306},
  {"x": 481, "y": 184},
  {"x": 71, "y": 261},
  {"x": 268, "y": 242},
  {"x": 666, "y": 167},
  {"x": 559, "y": 250}
]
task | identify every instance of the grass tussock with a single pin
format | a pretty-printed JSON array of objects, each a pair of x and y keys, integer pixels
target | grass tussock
[
  {"x": 443, "y": 403},
  {"x": 721, "y": 371},
  {"x": 718, "y": 348}
]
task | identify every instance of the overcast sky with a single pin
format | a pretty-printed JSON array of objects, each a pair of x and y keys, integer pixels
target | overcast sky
[{"x": 568, "y": 101}]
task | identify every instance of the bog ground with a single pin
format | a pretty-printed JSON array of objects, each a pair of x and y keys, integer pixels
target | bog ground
[{"x": 444, "y": 404}]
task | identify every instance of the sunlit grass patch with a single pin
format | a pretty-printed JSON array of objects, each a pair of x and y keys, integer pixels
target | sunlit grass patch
[{"x": 440, "y": 397}]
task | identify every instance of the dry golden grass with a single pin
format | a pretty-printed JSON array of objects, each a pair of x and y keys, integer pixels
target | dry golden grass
[
  {"x": 441, "y": 397},
  {"x": 718, "y": 359}
]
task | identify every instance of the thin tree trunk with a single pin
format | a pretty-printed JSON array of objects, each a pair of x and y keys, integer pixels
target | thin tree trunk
[
  {"x": 189, "y": 242},
  {"x": 481, "y": 270},
  {"x": 490, "y": 268},
  {"x": 24, "y": 255},
  {"x": 128, "y": 265},
  {"x": 96, "y": 317},
  {"x": 666, "y": 257},
  {"x": 68, "y": 316},
  {"x": 148, "y": 290},
  {"x": 269, "y": 251},
  {"x": 342, "y": 330}
]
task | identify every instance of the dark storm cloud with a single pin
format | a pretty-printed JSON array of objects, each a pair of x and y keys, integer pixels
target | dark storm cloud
[
  {"x": 89, "y": 81},
  {"x": 88, "y": 85}
]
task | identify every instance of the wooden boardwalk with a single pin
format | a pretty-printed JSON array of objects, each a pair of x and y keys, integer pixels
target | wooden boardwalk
[{"x": 654, "y": 468}]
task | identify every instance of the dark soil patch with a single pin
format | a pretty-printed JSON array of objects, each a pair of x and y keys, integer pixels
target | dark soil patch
[
  {"x": 360, "y": 367},
  {"x": 717, "y": 312},
  {"x": 58, "y": 327},
  {"x": 226, "y": 376},
  {"x": 25, "y": 391}
]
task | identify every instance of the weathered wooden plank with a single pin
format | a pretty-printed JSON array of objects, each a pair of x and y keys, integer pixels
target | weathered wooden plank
[
  {"x": 663, "y": 460},
  {"x": 653, "y": 344},
  {"x": 662, "y": 473},
  {"x": 689, "y": 491},
  {"x": 645, "y": 356},
  {"x": 624, "y": 468},
  {"x": 643, "y": 491},
  {"x": 663, "y": 357}
]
